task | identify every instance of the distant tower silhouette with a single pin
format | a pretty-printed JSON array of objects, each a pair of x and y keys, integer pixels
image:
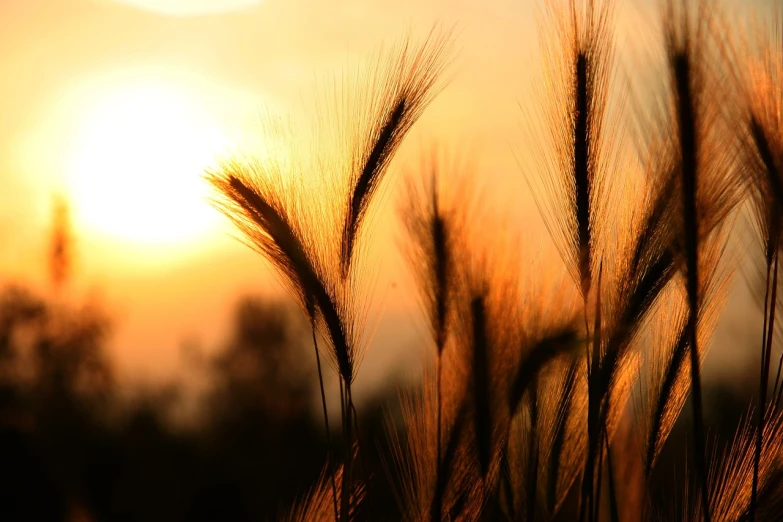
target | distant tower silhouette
[{"x": 60, "y": 244}]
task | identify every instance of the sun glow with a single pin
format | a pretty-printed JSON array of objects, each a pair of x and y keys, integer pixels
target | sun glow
[
  {"x": 137, "y": 165},
  {"x": 191, "y": 7}
]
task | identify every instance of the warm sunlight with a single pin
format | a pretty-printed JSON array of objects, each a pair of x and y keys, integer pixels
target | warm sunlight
[
  {"x": 136, "y": 168},
  {"x": 296, "y": 260}
]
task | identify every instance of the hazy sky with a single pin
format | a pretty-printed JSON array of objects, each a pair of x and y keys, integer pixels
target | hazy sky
[
  {"x": 116, "y": 105},
  {"x": 119, "y": 105}
]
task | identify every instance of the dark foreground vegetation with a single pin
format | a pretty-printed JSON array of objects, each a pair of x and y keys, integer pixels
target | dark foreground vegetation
[
  {"x": 548, "y": 398},
  {"x": 73, "y": 446}
]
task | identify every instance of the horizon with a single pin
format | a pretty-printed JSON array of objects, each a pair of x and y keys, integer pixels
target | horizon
[{"x": 128, "y": 103}]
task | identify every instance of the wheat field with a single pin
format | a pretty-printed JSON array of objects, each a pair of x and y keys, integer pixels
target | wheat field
[{"x": 545, "y": 398}]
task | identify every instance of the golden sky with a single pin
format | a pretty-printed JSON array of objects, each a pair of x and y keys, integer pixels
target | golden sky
[{"x": 119, "y": 105}]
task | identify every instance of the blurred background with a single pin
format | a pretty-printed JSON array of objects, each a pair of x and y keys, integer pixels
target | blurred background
[{"x": 151, "y": 367}]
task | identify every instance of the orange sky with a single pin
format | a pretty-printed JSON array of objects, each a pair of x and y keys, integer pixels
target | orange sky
[{"x": 81, "y": 78}]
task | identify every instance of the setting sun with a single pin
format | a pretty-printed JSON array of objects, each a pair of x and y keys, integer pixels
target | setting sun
[{"x": 137, "y": 164}]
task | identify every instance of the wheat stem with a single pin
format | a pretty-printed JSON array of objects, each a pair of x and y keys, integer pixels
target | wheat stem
[
  {"x": 347, "y": 484},
  {"x": 326, "y": 414},
  {"x": 615, "y": 517},
  {"x": 482, "y": 416},
  {"x": 766, "y": 356},
  {"x": 436, "y": 513},
  {"x": 762, "y": 397}
]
